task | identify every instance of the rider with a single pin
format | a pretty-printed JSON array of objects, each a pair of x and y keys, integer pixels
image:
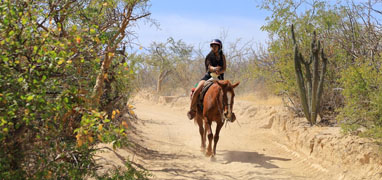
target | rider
[{"x": 215, "y": 63}]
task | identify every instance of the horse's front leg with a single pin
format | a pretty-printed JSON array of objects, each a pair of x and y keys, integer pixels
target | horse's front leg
[
  {"x": 199, "y": 120},
  {"x": 217, "y": 132},
  {"x": 208, "y": 132}
]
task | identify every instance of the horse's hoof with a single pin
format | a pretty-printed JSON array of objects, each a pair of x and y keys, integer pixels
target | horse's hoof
[
  {"x": 202, "y": 149},
  {"x": 213, "y": 159},
  {"x": 209, "y": 154}
]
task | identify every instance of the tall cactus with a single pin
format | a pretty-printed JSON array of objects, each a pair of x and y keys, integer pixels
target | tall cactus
[{"x": 310, "y": 88}]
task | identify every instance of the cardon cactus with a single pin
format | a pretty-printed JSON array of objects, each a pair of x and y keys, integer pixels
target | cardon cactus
[{"x": 310, "y": 88}]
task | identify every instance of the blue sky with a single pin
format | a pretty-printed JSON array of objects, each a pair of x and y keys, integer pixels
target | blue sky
[{"x": 196, "y": 22}]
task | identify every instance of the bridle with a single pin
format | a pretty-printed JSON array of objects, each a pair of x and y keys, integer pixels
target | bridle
[{"x": 225, "y": 104}]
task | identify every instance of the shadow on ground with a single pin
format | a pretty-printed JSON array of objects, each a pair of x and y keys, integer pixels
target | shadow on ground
[{"x": 251, "y": 157}]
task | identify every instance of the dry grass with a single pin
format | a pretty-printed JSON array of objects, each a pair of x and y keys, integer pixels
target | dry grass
[{"x": 258, "y": 99}]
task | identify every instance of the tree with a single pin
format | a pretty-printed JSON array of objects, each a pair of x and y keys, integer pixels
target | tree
[
  {"x": 122, "y": 19},
  {"x": 165, "y": 57},
  {"x": 51, "y": 55},
  {"x": 278, "y": 67},
  {"x": 352, "y": 33}
]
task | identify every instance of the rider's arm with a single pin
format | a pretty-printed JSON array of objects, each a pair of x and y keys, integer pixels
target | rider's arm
[{"x": 213, "y": 69}]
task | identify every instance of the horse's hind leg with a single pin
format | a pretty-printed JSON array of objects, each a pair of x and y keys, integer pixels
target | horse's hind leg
[
  {"x": 199, "y": 120},
  {"x": 216, "y": 137},
  {"x": 208, "y": 131}
]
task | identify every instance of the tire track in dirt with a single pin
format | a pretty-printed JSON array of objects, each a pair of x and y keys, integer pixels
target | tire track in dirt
[{"x": 167, "y": 144}]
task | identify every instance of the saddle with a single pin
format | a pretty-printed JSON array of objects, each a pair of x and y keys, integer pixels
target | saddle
[{"x": 205, "y": 88}]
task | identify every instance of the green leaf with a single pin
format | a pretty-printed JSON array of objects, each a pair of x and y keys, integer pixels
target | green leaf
[
  {"x": 6, "y": 21},
  {"x": 23, "y": 21},
  {"x": 76, "y": 130},
  {"x": 92, "y": 31},
  {"x": 11, "y": 33},
  {"x": 30, "y": 98},
  {"x": 61, "y": 61},
  {"x": 5, "y": 58},
  {"x": 3, "y": 122},
  {"x": 20, "y": 79}
]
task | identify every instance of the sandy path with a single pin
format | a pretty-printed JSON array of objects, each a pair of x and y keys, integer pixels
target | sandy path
[{"x": 168, "y": 145}]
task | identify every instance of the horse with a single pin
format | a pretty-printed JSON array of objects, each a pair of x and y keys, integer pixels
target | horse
[{"x": 217, "y": 107}]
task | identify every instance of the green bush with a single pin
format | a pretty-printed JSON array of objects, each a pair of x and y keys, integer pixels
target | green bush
[
  {"x": 352, "y": 93},
  {"x": 363, "y": 99},
  {"x": 278, "y": 67},
  {"x": 130, "y": 174},
  {"x": 50, "y": 55}
]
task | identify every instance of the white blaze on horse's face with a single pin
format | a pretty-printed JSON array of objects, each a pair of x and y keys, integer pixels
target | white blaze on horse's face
[{"x": 229, "y": 97}]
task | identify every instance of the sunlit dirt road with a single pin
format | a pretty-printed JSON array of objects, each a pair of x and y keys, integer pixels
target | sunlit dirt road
[{"x": 168, "y": 145}]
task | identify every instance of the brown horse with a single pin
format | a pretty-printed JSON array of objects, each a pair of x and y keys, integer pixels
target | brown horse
[{"x": 218, "y": 104}]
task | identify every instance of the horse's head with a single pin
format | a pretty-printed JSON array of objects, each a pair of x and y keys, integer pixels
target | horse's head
[{"x": 228, "y": 96}]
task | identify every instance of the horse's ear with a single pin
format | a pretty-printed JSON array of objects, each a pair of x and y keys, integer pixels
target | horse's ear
[
  {"x": 236, "y": 84},
  {"x": 222, "y": 83}
]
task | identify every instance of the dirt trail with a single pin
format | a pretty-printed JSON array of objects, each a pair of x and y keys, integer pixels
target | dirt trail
[{"x": 168, "y": 145}]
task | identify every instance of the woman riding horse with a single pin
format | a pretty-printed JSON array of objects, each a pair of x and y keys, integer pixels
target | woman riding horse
[{"x": 215, "y": 63}]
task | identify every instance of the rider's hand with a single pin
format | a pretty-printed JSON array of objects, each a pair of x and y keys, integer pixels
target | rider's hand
[{"x": 217, "y": 70}]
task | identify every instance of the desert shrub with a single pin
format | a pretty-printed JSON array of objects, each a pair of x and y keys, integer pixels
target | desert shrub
[
  {"x": 50, "y": 55},
  {"x": 363, "y": 99},
  {"x": 351, "y": 35}
]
